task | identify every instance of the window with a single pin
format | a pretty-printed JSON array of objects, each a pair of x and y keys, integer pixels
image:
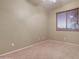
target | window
[{"x": 68, "y": 20}]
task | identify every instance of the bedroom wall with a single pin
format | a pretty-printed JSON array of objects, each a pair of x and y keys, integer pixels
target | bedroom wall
[
  {"x": 62, "y": 35},
  {"x": 21, "y": 24}
]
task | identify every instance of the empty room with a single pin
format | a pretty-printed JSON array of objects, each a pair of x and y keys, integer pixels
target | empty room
[{"x": 39, "y": 29}]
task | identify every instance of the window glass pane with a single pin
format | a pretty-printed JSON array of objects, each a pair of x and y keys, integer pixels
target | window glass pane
[
  {"x": 72, "y": 19},
  {"x": 61, "y": 20}
]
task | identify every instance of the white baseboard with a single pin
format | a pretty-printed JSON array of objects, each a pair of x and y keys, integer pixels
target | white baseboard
[{"x": 23, "y": 48}]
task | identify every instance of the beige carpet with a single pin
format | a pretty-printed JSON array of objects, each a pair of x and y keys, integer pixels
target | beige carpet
[{"x": 48, "y": 49}]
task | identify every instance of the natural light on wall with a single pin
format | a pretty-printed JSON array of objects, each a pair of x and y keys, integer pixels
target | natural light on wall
[{"x": 54, "y": 1}]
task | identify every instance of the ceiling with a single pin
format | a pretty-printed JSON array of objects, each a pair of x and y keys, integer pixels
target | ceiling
[{"x": 48, "y": 4}]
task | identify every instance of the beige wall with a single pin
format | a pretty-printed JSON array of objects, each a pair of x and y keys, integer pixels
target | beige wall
[
  {"x": 62, "y": 35},
  {"x": 21, "y": 24}
]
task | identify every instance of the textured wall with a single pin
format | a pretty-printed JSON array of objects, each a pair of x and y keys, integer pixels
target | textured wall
[
  {"x": 63, "y": 35},
  {"x": 21, "y": 24}
]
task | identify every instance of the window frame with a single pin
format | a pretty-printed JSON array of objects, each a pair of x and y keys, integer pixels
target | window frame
[{"x": 66, "y": 29}]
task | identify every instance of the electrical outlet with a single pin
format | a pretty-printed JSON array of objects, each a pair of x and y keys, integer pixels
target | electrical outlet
[
  {"x": 12, "y": 44},
  {"x": 64, "y": 38}
]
